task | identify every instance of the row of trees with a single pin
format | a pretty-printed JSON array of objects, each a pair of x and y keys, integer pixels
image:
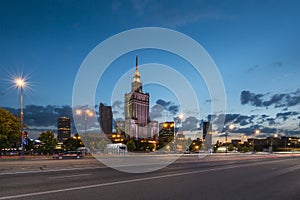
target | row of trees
[
  {"x": 49, "y": 143},
  {"x": 10, "y": 137}
]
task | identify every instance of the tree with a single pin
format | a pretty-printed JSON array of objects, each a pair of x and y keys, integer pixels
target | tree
[
  {"x": 73, "y": 143},
  {"x": 9, "y": 130},
  {"x": 230, "y": 147},
  {"x": 48, "y": 141},
  {"x": 131, "y": 145}
]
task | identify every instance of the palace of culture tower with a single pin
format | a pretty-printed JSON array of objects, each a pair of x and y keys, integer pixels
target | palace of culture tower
[{"x": 137, "y": 120}]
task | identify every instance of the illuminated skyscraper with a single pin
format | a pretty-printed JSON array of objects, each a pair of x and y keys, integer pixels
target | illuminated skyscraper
[
  {"x": 63, "y": 129},
  {"x": 166, "y": 133},
  {"x": 136, "y": 108},
  {"x": 137, "y": 102}
]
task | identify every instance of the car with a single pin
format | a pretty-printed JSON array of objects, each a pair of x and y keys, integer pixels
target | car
[
  {"x": 68, "y": 154},
  {"x": 11, "y": 153}
]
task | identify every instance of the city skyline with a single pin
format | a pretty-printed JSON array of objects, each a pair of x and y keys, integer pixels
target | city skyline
[{"x": 254, "y": 45}]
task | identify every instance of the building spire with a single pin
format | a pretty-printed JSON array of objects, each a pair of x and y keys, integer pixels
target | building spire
[
  {"x": 136, "y": 63},
  {"x": 136, "y": 77}
]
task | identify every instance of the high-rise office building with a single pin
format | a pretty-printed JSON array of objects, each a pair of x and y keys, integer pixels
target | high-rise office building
[
  {"x": 63, "y": 129},
  {"x": 166, "y": 133},
  {"x": 106, "y": 118},
  {"x": 207, "y": 134}
]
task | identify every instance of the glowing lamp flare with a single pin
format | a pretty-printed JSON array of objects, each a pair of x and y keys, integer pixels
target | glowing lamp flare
[{"x": 20, "y": 82}]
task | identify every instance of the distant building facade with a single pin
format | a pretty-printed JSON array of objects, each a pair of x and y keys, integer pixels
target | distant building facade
[
  {"x": 63, "y": 128},
  {"x": 106, "y": 118},
  {"x": 207, "y": 134},
  {"x": 166, "y": 133},
  {"x": 136, "y": 109}
]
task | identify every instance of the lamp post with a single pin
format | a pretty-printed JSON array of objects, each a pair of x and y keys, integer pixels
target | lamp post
[
  {"x": 20, "y": 84},
  {"x": 256, "y": 132},
  {"x": 87, "y": 113},
  {"x": 272, "y": 143}
]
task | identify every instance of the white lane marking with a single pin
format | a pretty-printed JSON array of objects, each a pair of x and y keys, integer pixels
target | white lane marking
[
  {"x": 70, "y": 176},
  {"x": 50, "y": 170},
  {"x": 129, "y": 181}
]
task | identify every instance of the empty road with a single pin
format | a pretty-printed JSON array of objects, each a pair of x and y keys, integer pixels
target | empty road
[{"x": 189, "y": 178}]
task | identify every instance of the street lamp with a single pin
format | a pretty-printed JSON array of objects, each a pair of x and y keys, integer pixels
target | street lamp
[
  {"x": 20, "y": 83},
  {"x": 87, "y": 113},
  {"x": 256, "y": 132}
]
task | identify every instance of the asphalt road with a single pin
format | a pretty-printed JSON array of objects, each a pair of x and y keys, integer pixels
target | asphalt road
[{"x": 189, "y": 178}]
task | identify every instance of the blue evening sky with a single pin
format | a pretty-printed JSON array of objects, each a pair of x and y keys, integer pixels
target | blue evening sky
[{"x": 255, "y": 45}]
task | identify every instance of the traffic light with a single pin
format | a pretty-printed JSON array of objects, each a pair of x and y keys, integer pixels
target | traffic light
[{"x": 24, "y": 138}]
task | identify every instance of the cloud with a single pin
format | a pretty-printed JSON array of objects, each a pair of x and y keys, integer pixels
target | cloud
[
  {"x": 286, "y": 115},
  {"x": 190, "y": 123},
  {"x": 251, "y": 98},
  {"x": 162, "y": 106},
  {"x": 265, "y": 131},
  {"x": 44, "y": 116},
  {"x": 115, "y": 112},
  {"x": 271, "y": 121},
  {"x": 157, "y": 111},
  {"x": 118, "y": 104},
  {"x": 277, "y": 100},
  {"x": 173, "y": 109},
  {"x": 228, "y": 119},
  {"x": 163, "y": 103},
  {"x": 247, "y": 124}
]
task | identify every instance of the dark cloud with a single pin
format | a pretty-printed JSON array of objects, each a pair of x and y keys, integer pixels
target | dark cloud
[
  {"x": 212, "y": 117},
  {"x": 251, "y": 98},
  {"x": 173, "y": 109},
  {"x": 163, "y": 103},
  {"x": 228, "y": 119},
  {"x": 271, "y": 121},
  {"x": 270, "y": 130},
  {"x": 157, "y": 111},
  {"x": 286, "y": 115},
  {"x": 277, "y": 100},
  {"x": 43, "y": 116},
  {"x": 190, "y": 123},
  {"x": 161, "y": 106},
  {"x": 262, "y": 118},
  {"x": 264, "y": 131},
  {"x": 247, "y": 124},
  {"x": 244, "y": 123},
  {"x": 118, "y": 104}
]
